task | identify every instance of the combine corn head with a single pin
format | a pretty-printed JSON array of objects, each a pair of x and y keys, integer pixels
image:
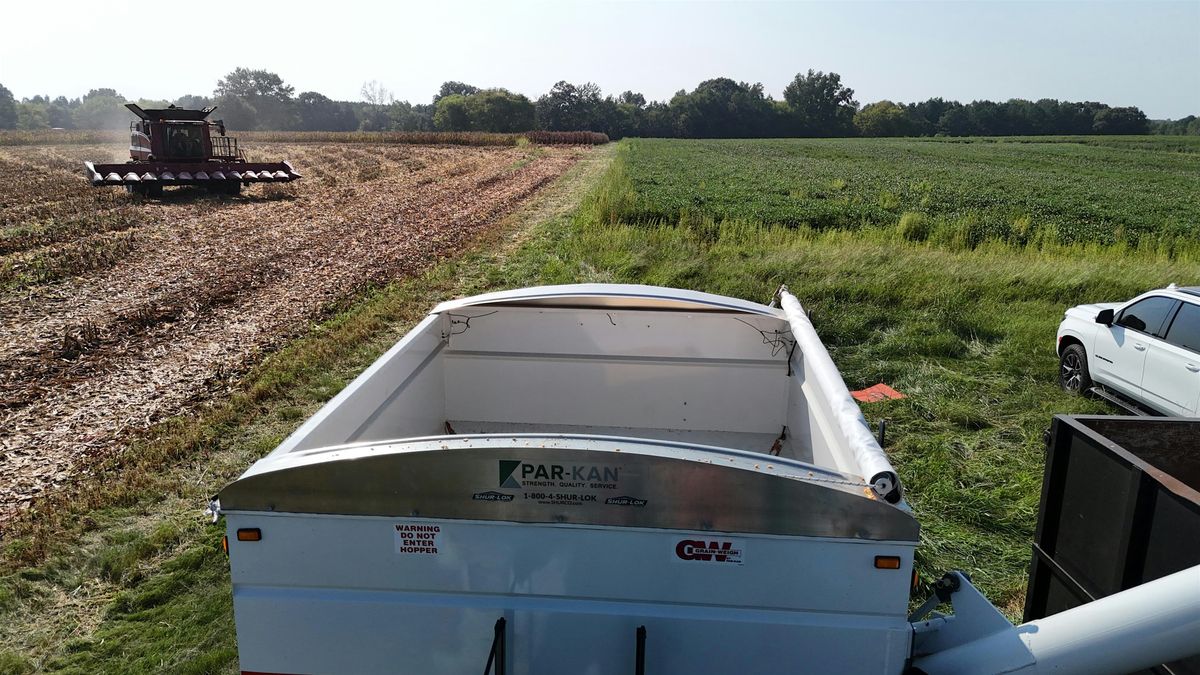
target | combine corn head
[{"x": 175, "y": 146}]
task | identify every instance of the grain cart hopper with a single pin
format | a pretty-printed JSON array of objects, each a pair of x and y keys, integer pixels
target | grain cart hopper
[
  {"x": 606, "y": 478},
  {"x": 177, "y": 146}
]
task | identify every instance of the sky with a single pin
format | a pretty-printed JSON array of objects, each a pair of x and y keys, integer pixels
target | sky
[{"x": 1141, "y": 53}]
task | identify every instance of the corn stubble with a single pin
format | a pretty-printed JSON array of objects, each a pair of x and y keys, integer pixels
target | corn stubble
[{"x": 96, "y": 348}]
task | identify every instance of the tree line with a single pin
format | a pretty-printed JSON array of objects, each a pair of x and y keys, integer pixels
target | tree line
[{"x": 814, "y": 104}]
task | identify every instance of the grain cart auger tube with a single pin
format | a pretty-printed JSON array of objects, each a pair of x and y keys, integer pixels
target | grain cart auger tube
[{"x": 176, "y": 146}]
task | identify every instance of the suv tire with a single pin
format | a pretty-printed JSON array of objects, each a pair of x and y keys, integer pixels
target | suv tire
[{"x": 1073, "y": 373}]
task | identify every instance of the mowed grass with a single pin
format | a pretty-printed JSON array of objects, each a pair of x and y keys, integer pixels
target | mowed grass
[{"x": 1140, "y": 192}]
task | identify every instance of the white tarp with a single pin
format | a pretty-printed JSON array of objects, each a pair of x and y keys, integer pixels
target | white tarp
[{"x": 873, "y": 464}]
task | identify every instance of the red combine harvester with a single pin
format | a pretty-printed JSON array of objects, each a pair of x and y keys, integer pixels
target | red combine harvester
[{"x": 175, "y": 146}]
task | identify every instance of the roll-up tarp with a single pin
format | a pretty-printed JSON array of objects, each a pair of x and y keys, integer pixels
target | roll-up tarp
[{"x": 873, "y": 463}]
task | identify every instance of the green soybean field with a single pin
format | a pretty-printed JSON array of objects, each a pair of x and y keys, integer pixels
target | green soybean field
[{"x": 1138, "y": 192}]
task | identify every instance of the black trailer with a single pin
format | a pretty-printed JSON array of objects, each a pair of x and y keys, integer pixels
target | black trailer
[{"x": 1120, "y": 507}]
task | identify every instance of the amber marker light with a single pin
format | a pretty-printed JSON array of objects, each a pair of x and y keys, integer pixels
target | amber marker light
[
  {"x": 255, "y": 534},
  {"x": 884, "y": 562}
]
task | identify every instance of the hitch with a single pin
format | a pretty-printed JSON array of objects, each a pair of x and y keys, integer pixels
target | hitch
[{"x": 942, "y": 590}]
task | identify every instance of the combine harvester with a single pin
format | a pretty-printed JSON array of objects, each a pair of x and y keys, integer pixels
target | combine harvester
[
  {"x": 621, "y": 479},
  {"x": 176, "y": 146}
]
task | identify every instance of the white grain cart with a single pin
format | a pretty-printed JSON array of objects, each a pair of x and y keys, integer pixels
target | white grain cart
[{"x": 586, "y": 479}]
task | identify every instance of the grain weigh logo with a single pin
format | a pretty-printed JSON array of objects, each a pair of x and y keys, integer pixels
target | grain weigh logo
[{"x": 715, "y": 551}]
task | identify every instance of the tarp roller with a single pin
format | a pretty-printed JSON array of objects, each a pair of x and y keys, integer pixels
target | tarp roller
[{"x": 873, "y": 463}]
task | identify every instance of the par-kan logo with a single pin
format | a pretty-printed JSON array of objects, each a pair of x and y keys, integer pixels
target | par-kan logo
[
  {"x": 514, "y": 474},
  {"x": 507, "y": 468}
]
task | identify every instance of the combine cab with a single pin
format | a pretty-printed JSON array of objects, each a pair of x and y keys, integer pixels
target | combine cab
[{"x": 175, "y": 146}]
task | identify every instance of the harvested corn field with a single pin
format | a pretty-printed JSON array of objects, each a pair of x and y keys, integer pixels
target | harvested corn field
[{"x": 116, "y": 313}]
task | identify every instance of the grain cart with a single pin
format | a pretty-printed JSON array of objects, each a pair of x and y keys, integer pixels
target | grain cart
[
  {"x": 177, "y": 146},
  {"x": 607, "y": 478}
]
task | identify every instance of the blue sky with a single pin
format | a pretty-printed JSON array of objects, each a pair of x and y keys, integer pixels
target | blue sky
[{"x": 1123, "y": 53}]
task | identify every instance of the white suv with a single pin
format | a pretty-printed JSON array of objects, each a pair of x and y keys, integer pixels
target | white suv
[{"x": 1146, "y": 350}]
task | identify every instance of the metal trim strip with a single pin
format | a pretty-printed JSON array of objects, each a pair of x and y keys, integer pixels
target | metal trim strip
[
  {"x": 551, "y": 296},
  {"x": 623, "y": 358},
  {"x": 545, "y": 479}
]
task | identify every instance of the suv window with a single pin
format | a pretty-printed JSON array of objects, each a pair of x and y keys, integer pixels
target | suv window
[
  {"x": 1147, "y": 315},
  {"x": 1185, "y": 329}
]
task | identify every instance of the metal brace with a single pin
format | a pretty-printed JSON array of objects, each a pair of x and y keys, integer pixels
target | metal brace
[{"x": 942, "y": 590}]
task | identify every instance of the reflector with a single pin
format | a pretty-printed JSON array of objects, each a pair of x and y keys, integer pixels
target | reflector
[{"x": 883, "y": 562}]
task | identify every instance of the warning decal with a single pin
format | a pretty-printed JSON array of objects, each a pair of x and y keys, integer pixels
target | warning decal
[{"x": 417, "y": 538}]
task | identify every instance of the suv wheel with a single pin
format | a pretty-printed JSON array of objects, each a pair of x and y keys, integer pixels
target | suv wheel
[{"x": 1073, "y": 370}]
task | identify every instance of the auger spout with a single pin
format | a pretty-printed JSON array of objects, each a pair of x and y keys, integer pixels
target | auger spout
[{"x": 1156, "y": 622}]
